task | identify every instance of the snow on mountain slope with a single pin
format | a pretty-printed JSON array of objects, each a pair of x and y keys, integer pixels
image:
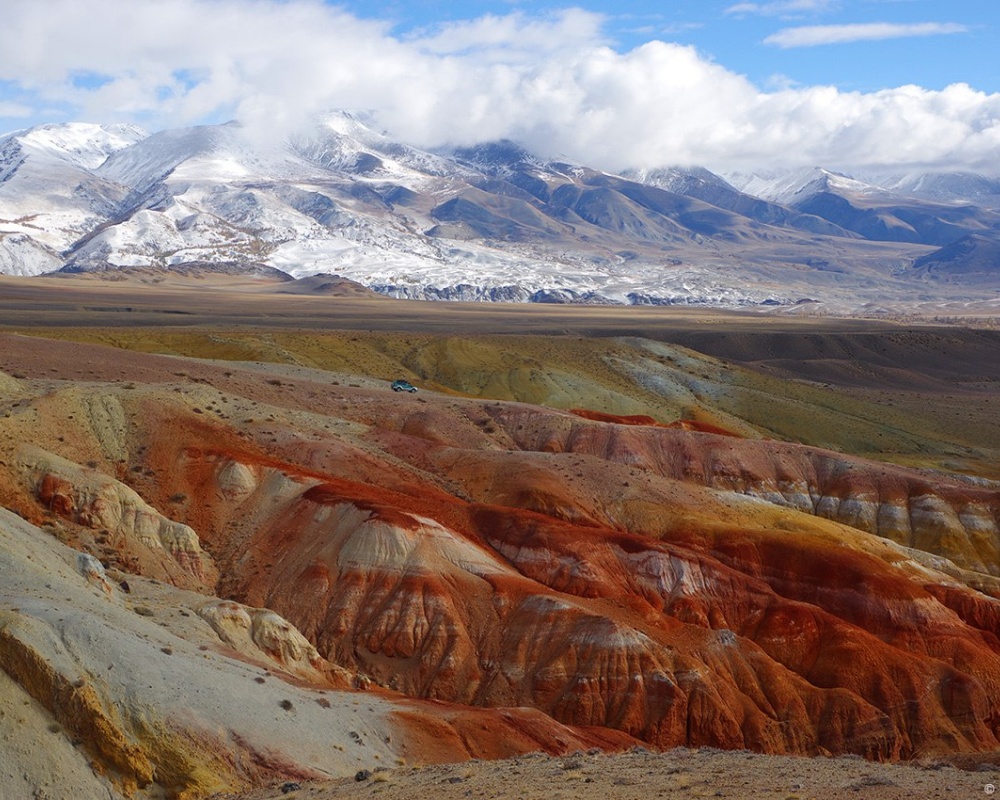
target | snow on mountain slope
[
  {"x": 208, "y": 153},
  {"x": 21, "y": 255},
  {"x": 345, "y": 142},
  {"x": 82, "y": 144},
  {"x": 49, "y": 192},
  {"x": 945, "y": 187},
  {"x": 218, "y": 194},
  {"x": 797, "y": 185},
  {"x": 489, "y": 222}
]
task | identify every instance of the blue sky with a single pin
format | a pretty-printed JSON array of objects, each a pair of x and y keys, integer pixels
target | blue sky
[
  {"x": 958, "y": 40},
  {"x": 845, "y": 84}
]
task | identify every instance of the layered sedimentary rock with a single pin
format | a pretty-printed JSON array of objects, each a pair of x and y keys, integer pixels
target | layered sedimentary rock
[
  {"x": 676, "y": 585},
  {"x": 160, "y": 692},
  {"x": 939, "y": 514},
  {"x": 662, "y": 641},
  {"x": 159, "y": 546}
]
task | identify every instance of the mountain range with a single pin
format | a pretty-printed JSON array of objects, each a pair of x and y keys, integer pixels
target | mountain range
[{"x": 490, "y": 222}]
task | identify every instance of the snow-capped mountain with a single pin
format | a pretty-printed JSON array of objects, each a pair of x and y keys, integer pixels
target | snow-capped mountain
[
  {"x": 944, "y": 187},
  {"x": 50, "y": 194},
  {"x": 491, "y": 222},
  {"x": 918, "y": 209},
  {"x": 792, "y": 186},
  {"x": 796, "y": 186}
]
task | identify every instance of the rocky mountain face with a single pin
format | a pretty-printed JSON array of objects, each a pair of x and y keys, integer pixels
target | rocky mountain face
[
  {"x": 491, "y": 222},
  {"x": 586, "y": 576}
]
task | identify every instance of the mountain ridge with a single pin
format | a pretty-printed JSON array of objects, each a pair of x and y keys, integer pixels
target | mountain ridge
[{"x": 490, "y": 222}]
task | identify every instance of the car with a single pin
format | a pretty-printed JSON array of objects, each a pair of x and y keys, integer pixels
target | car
[{"x": 403, "y": 386}]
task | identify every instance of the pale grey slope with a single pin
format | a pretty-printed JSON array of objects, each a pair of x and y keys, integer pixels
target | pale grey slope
[
  {"x": 154, "y": 689},
  {"x": 967, "y": 188}
]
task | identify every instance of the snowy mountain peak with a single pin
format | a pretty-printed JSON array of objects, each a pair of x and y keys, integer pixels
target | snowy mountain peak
[
  {"x": 676, "y": 179},
  {"x": 357, "y": 125},
  {"x": 81, "y": 144},
  {"x": 796, "y": 185},
  {"x": 835, "y": 181},
  {"x": 346, "y": 141},
  {"x": 497, "y": 158},
  {"x": 945, "y": 187}
]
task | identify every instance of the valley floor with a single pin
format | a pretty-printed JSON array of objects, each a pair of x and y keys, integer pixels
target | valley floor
[{"x": 678, "y": 773}]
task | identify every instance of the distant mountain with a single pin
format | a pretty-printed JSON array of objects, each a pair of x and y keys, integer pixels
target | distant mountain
[
  {"x": 709, "y": 187},
  {"x": 792, "y": 186},
  {"x": 490, "y": 222},
  {"x": 934, "y": 209},
  {"x": 974, "y": 258},
  {"x": 946, "y": 187}
]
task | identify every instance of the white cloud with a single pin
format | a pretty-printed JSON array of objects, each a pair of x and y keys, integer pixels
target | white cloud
[
  {"x": 812, "y": 35},
  {"x": 512, "y": 34},
  {"x": 14, "y": 110},
  {"x": 782, "y": 8},
  {"x": 551, "y": 82}
]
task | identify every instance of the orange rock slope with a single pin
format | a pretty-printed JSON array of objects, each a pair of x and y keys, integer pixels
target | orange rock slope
[{"x": 679, "y": 586}]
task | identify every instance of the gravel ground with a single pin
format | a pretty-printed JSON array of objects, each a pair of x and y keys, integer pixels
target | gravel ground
[{"x": 641, "y": 774}]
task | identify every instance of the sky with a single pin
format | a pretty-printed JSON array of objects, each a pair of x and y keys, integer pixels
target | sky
[{"x": 843, "y": 84}]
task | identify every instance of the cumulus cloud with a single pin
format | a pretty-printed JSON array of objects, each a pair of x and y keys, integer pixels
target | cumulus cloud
[
  {"x": 812, "y": 35},
  {"x": 551, "y": 82}
]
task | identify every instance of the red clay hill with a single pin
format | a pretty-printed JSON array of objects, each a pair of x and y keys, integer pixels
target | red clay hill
[{"x": 675, "y": 584}]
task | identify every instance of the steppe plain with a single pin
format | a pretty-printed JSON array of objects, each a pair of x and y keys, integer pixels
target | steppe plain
[{"x": 158, "y": 384}]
